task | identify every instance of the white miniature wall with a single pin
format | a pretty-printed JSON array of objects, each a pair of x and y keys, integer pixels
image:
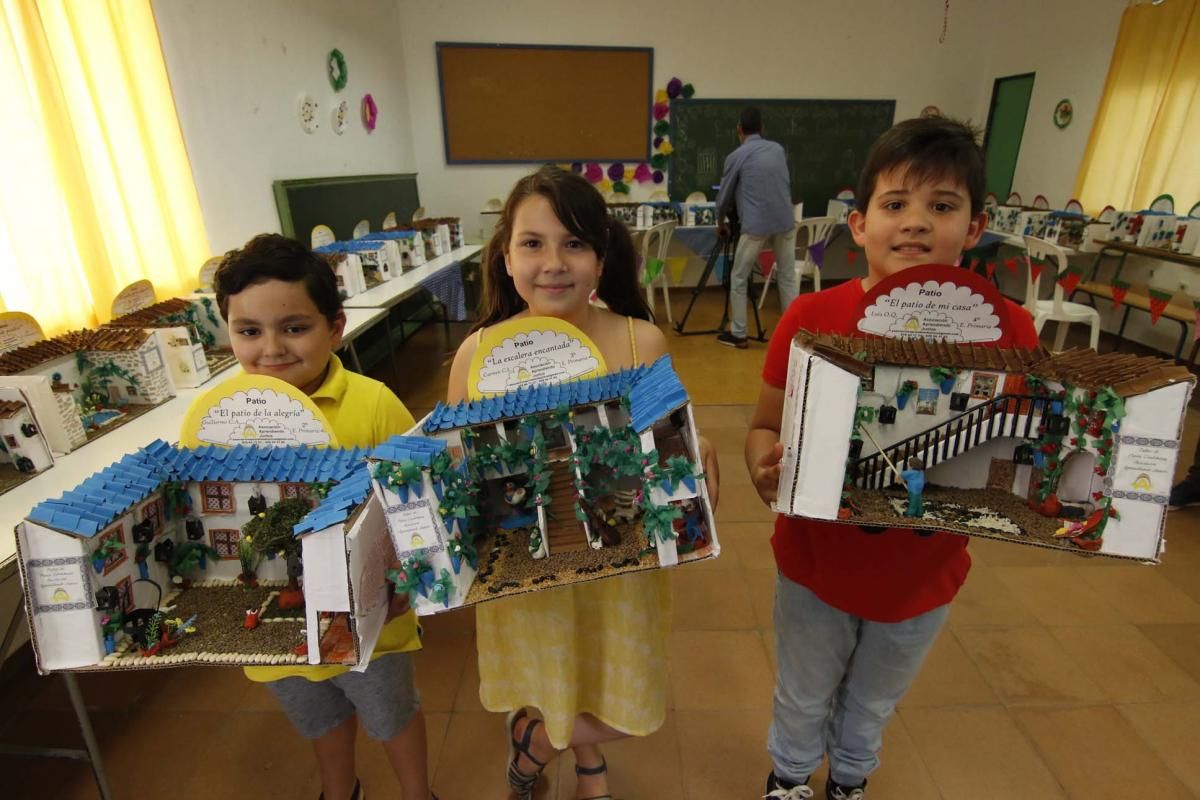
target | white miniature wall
[
  {"x": 269, "y": 569},
  {"x": 186, "y": 364},
  {"x": 64, "y": 639}
]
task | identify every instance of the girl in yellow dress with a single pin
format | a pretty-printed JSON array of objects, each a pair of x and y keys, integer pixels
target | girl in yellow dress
[{"x": 592, "y": 657}]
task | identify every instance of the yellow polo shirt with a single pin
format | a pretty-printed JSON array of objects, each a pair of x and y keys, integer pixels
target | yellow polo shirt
[{"x": 363, "y": 413}]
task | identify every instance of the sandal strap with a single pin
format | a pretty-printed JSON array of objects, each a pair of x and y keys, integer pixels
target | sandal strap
[
  {"x": 600, "y": 770},
  {"x": 527, "y": 739}
]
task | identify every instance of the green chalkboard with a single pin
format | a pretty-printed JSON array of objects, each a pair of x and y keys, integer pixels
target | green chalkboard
[
  {"x": 826, "y": 143},
  {"x": 340, "y": 202}
]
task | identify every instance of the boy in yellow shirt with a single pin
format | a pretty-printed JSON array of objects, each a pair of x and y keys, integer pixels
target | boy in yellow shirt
[{"x": 285, "y": 320}]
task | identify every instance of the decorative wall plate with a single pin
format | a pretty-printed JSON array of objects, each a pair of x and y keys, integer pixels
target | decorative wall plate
[
  {"x": 337, "y": 69},
  {"x": 1063, "y": 112},
  {"x": 308, "y": 114},
  {"x": 340, "y": 117},
  {"x": 370, "y": 112},
  {"x": 931, "y": 111}
]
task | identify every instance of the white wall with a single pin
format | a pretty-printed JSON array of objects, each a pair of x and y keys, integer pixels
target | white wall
[
  {"x": 238, "y": 72},
  {"x": 1068, "y": 44}
]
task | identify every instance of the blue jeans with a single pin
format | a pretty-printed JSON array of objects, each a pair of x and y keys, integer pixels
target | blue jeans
[
  {"x": 744, "y": 259},
  {"x": 838, "y": 683}
]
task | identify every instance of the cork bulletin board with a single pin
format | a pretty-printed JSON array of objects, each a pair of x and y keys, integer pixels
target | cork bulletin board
[{"x": 517, "y": 103}]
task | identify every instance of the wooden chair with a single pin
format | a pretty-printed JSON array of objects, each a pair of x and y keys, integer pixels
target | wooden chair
[
  {"x": 1056, "y": 308},
  {"x": 656, "y": 241}
]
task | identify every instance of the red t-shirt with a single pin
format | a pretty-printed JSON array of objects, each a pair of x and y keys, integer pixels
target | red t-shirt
[{"x": 891, "y": 575}]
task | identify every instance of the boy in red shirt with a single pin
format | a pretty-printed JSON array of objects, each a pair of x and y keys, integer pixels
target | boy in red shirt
[{"x": 857, "y": 609}]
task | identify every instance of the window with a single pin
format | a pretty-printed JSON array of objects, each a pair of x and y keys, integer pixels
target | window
[
  {"x": 125, "y": 594},
  {"x": 11, "y": 441},
  {"x": 225, "y": 541},
  {"x": 216, "y": 497},
  {"x": 154, "y": 511},
  {"x": 116, "y": 558},
  {"x": 290, "y": 491},
  {"x": 129, "y": 390}
]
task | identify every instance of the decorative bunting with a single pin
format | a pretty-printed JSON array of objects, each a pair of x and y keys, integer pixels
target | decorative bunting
[
  {"x": 816, "y": 252},
  {"x": 653, "y": 267},
  {"x": 1119, "y": 288},
  {"x": 1069, "y": 280},
  {"x": 1035, "y": 268},
  {"x": 990, "y": 268},
  {"x": 1011, "y": 265},
  {"x": 1158, "y": 304},
  {"x": 851, "y": 256},
  {"x": 973, "y": 264}
]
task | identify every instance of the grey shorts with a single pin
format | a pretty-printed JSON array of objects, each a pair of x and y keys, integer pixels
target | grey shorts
[{"x": 384, "y": 697}]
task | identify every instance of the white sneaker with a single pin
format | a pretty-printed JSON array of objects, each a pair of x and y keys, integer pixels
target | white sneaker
[{"x": 798, "y": 792}]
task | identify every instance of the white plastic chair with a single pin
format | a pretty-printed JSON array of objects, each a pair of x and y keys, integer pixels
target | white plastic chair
[
  {"x": 1057, "y": 309},
  {"x": 811, "y": 230},
  {"x": 658, "y": 239}
]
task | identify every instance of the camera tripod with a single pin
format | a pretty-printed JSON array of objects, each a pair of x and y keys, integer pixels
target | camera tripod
[{"x": 726, "y": 247}]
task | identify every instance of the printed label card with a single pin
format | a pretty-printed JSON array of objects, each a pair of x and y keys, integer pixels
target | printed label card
[
  {"x": 531, "y": 350},
  {"x": 133, "y": 297},
  {"x": 946, "y": 303},
  {"x": 256, "y": 410}
]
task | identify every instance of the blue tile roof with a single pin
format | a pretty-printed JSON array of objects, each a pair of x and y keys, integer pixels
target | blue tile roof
[
  {"x": 646, "y": 405},
  {"x": 356, "y": 246},
  {"x": 389, "y": 235},
  {"x": 416, "y": 448},
  {"x": 656, "y": 394},
  {"x": 92, "y": 505},
  {"x": 340, "y": 503}
]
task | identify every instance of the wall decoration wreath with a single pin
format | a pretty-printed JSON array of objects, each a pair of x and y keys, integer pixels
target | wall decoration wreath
[
  {"x": 337, "y": 70},
  {"x": 370, "y": 112}
]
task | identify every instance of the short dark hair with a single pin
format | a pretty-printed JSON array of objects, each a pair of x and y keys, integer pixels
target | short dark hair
[
  {"x": 750, "y": 121},
  {"x": 927, "y": 148},
  {"x": 270, "y": 256}
]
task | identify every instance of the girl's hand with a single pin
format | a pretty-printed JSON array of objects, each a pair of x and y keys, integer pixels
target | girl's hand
[
  {"x": 712, "y": 470},
  {"x": 765, "y": 473}
]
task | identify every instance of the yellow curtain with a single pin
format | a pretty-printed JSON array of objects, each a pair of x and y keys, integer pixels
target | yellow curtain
[
  {"x": 97, "y": 190},
  {"x": 1143, "y": 142}
]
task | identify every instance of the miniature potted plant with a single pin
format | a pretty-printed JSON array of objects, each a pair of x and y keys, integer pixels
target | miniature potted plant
[
  {"x": 142, "y": 553},
  {"x": 102, "y": 553},
  {"x": 904, "y": 392},
  {"x": 189, "y": 557},
  {"x": 271, "y": 532},
  {"x": 944, "y": 377},
  {"x": 249, "y": 558},
  {"x": 111, "y": 625}
]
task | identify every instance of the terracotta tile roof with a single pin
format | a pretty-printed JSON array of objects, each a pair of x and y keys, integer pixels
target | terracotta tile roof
[
  {"x": 1127, "y": 374},
  {"x": 10, "y": 407},
  {"x": 152, "y": 316},
  {"x": 105, "y": 340}
]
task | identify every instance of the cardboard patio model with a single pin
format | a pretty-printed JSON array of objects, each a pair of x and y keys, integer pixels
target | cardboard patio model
[
  {"x": 192, "y": 338},
  {"x": 540, "y": 487},
  {"x": 81, "y": 383},
  {"x": 24, "y": 451},
  {"x": 1073, "y": 451}
]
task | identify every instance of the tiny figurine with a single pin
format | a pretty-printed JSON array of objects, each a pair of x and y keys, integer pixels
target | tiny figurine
[
  {"x": 514, "y": 495},
  {"x": 914, "y": 478}
]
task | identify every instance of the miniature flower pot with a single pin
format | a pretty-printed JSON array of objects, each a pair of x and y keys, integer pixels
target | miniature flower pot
[
  {"x": 958, "y": 401},
  {"x": 203, "y": 560},
  {"x": 248, "y": 579},
  {"x": 887, "y": 414},
  {"x": 290, "y": 598},
  {"x": 98, "y": 564},
  {"x": 901, "y": 401},
  {"x": 1039, "y": 458},
  {"x": 947, "y": 384},
  {"x": 110, "y": 644},
  {"x": 143, "y": 570}
]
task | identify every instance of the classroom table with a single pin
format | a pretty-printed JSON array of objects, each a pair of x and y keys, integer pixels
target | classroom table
[
  {"x": 357, "y": 321},
  {"x": 1122, "y": 250},
  {"x": 389, "y": 293}
]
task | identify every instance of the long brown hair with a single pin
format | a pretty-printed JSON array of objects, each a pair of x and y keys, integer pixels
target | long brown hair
[{"x": 582, "y": 211}]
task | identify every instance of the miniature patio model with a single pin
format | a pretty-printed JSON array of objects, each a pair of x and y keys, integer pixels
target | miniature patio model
[
  {"x": 1074, "y": 451},
  {"x": 176, "y": 556}
]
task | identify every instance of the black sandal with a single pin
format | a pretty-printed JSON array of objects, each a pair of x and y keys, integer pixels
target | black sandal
[
  {"x": 521, "y": 784},
  {"x": 600, "y": 770}
]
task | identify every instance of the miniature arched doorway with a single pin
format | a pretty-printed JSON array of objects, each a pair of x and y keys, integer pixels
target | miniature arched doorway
[{"x": 1078, "y": 475}]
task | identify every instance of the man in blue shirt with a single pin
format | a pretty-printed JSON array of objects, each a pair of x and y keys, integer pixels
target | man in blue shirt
[{"x": 756, "y": 178}]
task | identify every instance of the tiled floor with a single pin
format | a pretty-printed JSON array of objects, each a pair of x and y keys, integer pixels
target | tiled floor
[{"x": 1057, "y": 676}]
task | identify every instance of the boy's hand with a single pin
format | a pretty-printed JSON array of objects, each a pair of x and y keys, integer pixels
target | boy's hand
[
  {"x": 712, "y": 470},
  {"x": 764, "y": 473},
  {"x": 397, "y": 606}
]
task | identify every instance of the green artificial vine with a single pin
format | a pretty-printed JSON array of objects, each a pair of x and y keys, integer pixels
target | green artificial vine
[{"x": 402, "y": 476}]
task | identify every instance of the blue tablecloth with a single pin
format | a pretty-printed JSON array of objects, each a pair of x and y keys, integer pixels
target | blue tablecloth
[
  {"x": 447, "y": 286},
  {"x": 700, "y": 240}
]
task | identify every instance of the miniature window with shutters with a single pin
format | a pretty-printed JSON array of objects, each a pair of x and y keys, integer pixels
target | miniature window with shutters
[
  {"x": 125, "y": 594},
  {"x": 117, "y": 557},
  {"x": 225, "y": 541},
  {"x": 154, "y": 511},
  {"x": 292, "y": 491},
  {"x": 217, "y": 497}
]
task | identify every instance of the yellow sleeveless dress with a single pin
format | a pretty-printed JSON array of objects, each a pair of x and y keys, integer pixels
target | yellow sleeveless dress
[{"x": 597, "y": 647}]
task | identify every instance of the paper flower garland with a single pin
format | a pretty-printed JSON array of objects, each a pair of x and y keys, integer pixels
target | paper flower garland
[
  {"x": 370, "y": 112},
  {"x": 617, "y": 177},
  {"x": 337, "y": 70}
]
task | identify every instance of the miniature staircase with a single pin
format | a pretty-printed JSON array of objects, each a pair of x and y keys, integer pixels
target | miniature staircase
[
  {"x": 1000, "y": 417},
  {"x": 564, "y": 533}
]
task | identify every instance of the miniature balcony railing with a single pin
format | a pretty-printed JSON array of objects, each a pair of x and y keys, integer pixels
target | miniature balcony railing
[{"x": 1009, "y": 415}]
